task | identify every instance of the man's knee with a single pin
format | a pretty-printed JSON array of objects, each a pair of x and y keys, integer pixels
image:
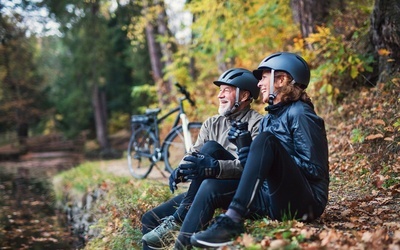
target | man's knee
[
  {"x": 210, "y": 147},
  {"x": 149, "y": 221}
]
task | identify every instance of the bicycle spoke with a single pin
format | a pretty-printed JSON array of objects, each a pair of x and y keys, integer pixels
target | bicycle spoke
[
  {"x": 140, "y": 150},
  {"x": 174, "y": 148}
]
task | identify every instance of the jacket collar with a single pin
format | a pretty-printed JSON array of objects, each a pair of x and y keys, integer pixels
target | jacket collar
[
  {"x": 274, "y": 108},
  {"x": 238, "y": 115}
]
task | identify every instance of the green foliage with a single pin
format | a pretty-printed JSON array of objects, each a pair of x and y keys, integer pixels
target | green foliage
[
  {"x": 22, "y": 96},
  {"x": 95, "y": 52},
  {"x": 396, "y": 124},
  {"x": 236, "y": 32},
  {"x": 392, "y": 177},
  {"x": 357, "y": 136},
  {"x": 83, "y": 178},
  {"x": 118, "y": 121},
  {"x": 337, "y": 53},
  {"x": 272, "y": 229},
  {"x": 335, "y": 62},
  {"x": 143, "y": 97}
]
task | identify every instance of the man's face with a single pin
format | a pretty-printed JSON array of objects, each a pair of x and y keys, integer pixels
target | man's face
[{"x": 226, "y": 96}]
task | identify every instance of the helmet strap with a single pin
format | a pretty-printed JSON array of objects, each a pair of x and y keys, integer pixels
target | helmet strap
[{"x": 272, "y": 95}]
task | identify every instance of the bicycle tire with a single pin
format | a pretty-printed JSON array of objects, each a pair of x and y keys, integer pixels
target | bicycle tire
[
  {"x": 174, "y": 145},
  {"x": 140, "y": 152}
]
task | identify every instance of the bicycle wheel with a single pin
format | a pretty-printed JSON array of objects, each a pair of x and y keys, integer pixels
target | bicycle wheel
[
  {"x": 174, "y": 145},
  {"x": 140, "y": 151}
]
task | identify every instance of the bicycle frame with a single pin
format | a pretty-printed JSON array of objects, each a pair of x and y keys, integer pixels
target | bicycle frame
[
  {"x": 184, "y": 120},
  {"x": 146, "y": 147}
]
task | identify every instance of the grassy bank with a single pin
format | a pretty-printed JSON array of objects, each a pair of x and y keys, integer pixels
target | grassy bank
[{"x": 117, "y": 213}]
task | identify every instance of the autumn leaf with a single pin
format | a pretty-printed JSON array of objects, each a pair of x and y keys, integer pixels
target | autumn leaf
[
  {"x": 247, "y": 240},
  {"x": 378, "y": 122},
  {"x": 383, "y": 52},
  {"x": 278, "y": 244},
  {"x": 373, "y": 137}
]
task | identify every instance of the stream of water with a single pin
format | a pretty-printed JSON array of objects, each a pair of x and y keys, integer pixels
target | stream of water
[{"x": 28, "y": 216}]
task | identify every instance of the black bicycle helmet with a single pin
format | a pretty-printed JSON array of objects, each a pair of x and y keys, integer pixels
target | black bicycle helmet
[
  {"x": 240, "y": 78},
  {"x": 291, "y": 63}
]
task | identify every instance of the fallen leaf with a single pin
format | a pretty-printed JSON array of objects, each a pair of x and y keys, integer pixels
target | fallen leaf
[
  {"x": 373, "y": 137},
  {"x": 277, "y": 244},
  {"x": 379, "y": 122},
  {"x": 247, "y": 240}
]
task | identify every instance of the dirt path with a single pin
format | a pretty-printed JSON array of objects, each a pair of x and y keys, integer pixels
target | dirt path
[{"x": 120, "y": 168}]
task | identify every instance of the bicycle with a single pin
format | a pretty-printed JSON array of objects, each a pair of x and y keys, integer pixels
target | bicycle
[{"x": 145, "y": 148}]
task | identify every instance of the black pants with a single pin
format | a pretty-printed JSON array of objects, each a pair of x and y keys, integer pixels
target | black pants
[
  {"x": 179, "y": 205},
  {"x": 290, "y": 194},
  {"x": 271, "y": 185}
]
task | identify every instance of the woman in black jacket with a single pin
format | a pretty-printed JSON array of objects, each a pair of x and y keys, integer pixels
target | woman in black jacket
[{"x": 286, "y": 167}]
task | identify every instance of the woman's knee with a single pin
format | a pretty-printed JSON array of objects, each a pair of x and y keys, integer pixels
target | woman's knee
[{"x": 262, "y": 137}]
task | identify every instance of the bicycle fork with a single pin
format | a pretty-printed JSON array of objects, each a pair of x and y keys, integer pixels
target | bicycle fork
[{"x": 186, "y": 134}]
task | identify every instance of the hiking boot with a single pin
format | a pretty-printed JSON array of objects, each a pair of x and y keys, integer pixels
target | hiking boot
[
  {"x": 163, "y": 235},
  {"x": 221, "y": 233}
]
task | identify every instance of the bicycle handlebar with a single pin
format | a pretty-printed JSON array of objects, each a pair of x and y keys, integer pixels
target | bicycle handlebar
[{"x": 184, "y": 92}]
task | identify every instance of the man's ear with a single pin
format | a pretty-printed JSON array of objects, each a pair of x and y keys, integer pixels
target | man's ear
[{"x": 245, "y": 96}]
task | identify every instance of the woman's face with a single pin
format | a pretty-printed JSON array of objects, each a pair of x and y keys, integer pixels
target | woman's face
[{"x": 264, "y": 84}]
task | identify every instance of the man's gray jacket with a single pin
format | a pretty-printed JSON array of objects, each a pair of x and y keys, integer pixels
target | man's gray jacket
[{"x": 216, "y": 128}]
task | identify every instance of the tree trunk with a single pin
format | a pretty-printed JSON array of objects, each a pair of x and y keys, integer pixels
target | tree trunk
[
  {"x": 98, "y": 96},
  {"x": 309, "y": 14},
  {"x": 22, "y": 132},
  {"x": 155, "y": 59},
  {"x": 192, "y": 64},
  {"x": 166, "y": 47},
  {"x": 385, "y": 36},
  {"x": 100, "y": 115},
  {"x": 154, "y": 52}
]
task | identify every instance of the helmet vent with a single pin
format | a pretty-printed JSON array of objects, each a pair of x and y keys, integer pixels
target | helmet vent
[{"x": 236, "y": 75}]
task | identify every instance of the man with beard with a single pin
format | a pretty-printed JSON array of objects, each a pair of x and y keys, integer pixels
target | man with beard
[{"x": 212, "y": 157}]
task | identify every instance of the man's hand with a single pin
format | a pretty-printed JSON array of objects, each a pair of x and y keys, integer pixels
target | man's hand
[
  {"x": 239, "y": 134},
  {"x": 177, "y": 176},
  {"x": 202, "y": 164},
  {"x": 243, "y": 153}
]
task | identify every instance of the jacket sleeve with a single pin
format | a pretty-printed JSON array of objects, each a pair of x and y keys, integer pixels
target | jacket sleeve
[
  {"x": 310, "y": 145},
  {"x": 202, "y": 137}
]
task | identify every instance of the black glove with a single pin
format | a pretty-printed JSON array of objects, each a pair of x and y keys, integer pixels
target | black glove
[
  {"x": 175, "y": 178},
  {"x": 239, "y": 134},
  {"x": 204, "y": 166},
  {"x": 243, "y": 153}
]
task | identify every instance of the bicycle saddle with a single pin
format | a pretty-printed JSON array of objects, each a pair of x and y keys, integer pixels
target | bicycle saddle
[{"x": 153, "y": 111}]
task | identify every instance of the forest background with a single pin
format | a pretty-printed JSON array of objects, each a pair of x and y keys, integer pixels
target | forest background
[{"x": 108, "y": 59}]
